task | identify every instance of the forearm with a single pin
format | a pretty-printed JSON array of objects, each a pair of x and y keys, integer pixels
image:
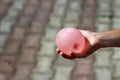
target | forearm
[{"x": 110, "y": 38}]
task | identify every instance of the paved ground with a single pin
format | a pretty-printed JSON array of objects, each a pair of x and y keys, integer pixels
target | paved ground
[{"x": 27, "y": 33}]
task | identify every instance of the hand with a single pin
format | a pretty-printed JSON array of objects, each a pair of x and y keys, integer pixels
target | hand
[
  {"x": 92, "y": 44},
  {"x": 64, "y": 55}
]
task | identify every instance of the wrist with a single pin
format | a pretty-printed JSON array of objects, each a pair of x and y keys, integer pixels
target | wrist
[
  {"x": 103, "y": 43},
  {"x": 96, "y": 41}
]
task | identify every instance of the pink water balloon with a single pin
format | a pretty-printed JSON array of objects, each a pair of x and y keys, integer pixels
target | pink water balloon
[{"x": 70, "y": 40}]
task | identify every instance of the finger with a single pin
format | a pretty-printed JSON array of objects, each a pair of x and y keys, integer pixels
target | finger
[
  {"x": 61, "y": 53},
  {"x": 58, "y": 50},
  {"x": 75, "y": 55},
  {"x": 66, "y": 56},
  {"x": 78, "y": 55}
]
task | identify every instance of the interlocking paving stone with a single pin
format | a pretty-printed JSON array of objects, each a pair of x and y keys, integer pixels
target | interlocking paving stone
[
  {"x": 4, "y": 7},
  {"x": 102, "y": 27},
  {"x": 61, "y": 2},
  {"x": 104, "y": 20},
  {"x": 116, "y": 3},
  {"x": 24, "y": 21},
  {"x": 43, "y": 69},
  {"x": 15, "y": 50},
  {"x": 75, "y": 5},
  {"x": 64, "y": 62},
  {"x": 44, "y": 65},
  {"x": 71, "y": 24},
  {"x": 83, "y": 78},
  {"x": 50, "y": 34},
  {"x": 116, "y": 73},
  {"x": 116, "y": 23},
  {"x": 13, "y": 11},
  {"x": 22, "y": 72},
  {"x": 37, "y": 76},
  {"x": 72, "y": 16},
  {"x": 29, "y": 10},
  {"x": 42, "y": 15},
  {"x": 56, "y": 16},
  {"x": 47, "y": 4},
  {"x": 27, "y": 55},
  {"x": 37, "y": 27},
  {"x": 6, "y": 1},
  {"x": 104, "y": 13},
  {"x": 103, "y": 66},
  {"x": 12, "y": 50},
  {"x": 55, "y": 21},
  {"x": 11, "y": 15},
  {"x": 19, "y": 33},
  {"x": 33, "y": 2},
  {"x": 47, "y": 49},
  {"x": 63, "y": 73},
  {"x": 6, "y": 63},
  {"x": 103, "y": 54},
  {"x": 104, "y": 6},
  {"x": 116, "y": 78},
  {"x": 3, "y": 38},
  {"x": 116, "y": 55},
  {"x": 6, "y": 25},
  {"x": 115, "y": 58},
  {"x": 116, "y": 12},
  {"x": 83, "y": 67},
  {"x": 4, "y": 76},
  {"x": 103, "y": 74},
  {"x": 32, "y": 40},
  {"x": 1, "y": 49},
  {"x": 58, "y": 10}
]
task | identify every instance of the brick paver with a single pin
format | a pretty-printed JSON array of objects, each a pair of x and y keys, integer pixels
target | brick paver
[
  {"x": 6, "y": 24},
  {"x": 116, "y": 56},
  {"x": 42, "y": 69},
  {"x": 4, "y": 6},
  {"x": 103, "y": 62}
]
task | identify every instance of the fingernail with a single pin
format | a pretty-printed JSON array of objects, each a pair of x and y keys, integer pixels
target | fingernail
[
  {"x": 57, "y": 49},
  {"x": 61, "y": 53},
  {"x": 72, "y": 54}
]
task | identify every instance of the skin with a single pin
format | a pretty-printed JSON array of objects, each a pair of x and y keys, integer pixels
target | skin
[{"x": 95, "y": 41}]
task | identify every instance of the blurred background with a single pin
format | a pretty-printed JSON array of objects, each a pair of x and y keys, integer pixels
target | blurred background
[{"x": 27, "y": 33}]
